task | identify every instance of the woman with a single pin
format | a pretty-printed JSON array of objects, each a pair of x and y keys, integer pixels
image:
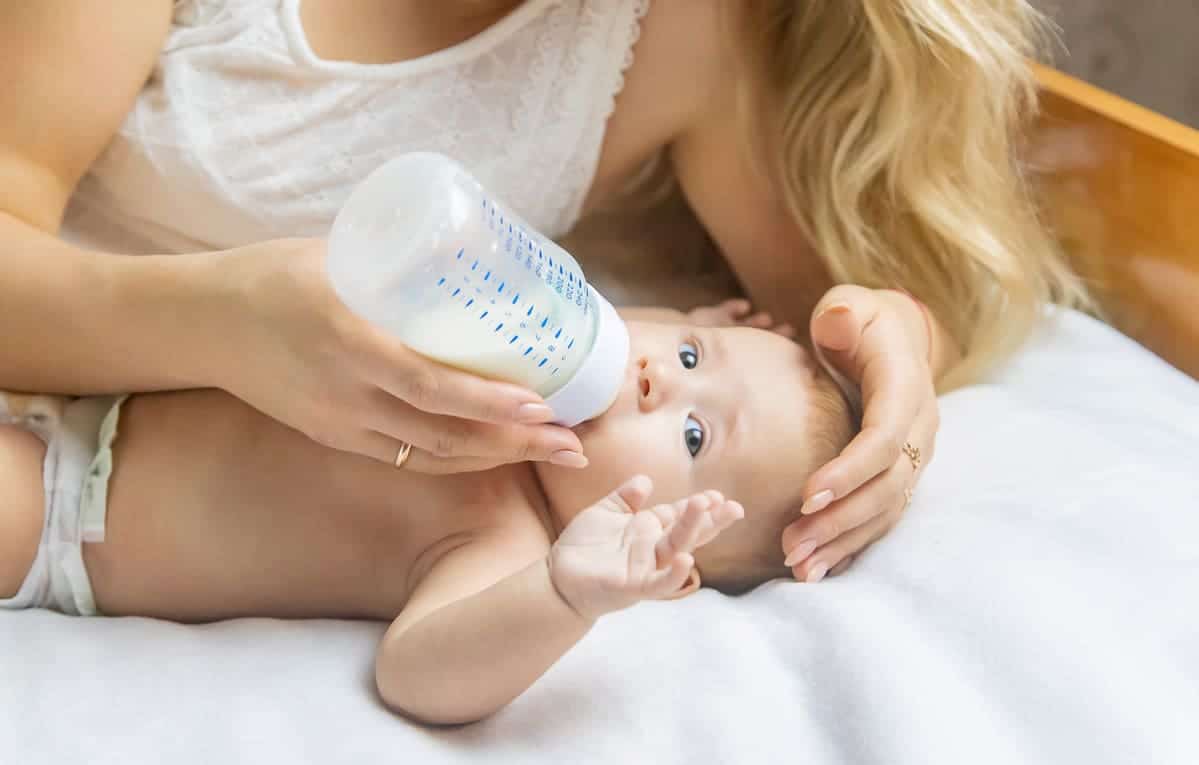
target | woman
[{"x": 824, "y": 141}]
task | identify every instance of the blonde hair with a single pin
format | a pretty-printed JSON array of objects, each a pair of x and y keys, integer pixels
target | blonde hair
[{"x": 897, "y": 125}]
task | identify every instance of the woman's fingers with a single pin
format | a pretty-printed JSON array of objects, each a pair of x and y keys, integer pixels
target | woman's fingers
[
  {"x": 872, "y": 452},
  {"x": 885, "y": 495},
  {"x": 833, "y": 554},
  {"x": 386, "y": 449},
  {"x": 439, "y": 389},
  {"x": 446, "y": 437}
]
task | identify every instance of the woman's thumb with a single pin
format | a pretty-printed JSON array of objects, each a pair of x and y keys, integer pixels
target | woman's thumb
[{"x": 836, "y": 328}]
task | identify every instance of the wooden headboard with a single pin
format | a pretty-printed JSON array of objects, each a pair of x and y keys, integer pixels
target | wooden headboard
[{"x": 1121, "y": 185}]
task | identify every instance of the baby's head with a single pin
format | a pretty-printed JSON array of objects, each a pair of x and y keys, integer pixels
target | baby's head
[{"x": 743, "y": 411}]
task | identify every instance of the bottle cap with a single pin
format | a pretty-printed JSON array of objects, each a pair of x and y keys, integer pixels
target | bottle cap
[{"x": 596, "y": 383}]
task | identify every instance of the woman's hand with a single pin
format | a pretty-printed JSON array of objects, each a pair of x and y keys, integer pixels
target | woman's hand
[
  {"x": 614, "y": 554},
  {"x": 737, "y": 312},
  {"x": 290, "y": 348},
  {"x": 880, "y": 340}
]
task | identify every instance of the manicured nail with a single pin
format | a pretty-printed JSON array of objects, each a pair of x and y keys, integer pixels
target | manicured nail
[
  {"x": 834, "y": 308},
  {"x": 817, "y": 502},
  {"x": 817, "y": 573},
  {"x": 566, "y": 458},
  {"x": 806, "y": 548},
  {"x": 531, "y": 414}
]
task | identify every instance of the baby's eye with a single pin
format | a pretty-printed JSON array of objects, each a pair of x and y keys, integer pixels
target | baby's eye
[
  {"x": 693, "y": 435},
  {"x": 689, "y": 355}
]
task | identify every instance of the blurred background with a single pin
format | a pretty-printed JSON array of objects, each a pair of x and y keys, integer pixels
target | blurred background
[{"x": 1144, "y": 50}]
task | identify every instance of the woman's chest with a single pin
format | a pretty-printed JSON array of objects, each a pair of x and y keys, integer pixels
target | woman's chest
[{"x": 245, "y": 133}]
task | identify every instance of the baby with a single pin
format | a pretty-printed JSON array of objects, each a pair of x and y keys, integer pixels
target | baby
[{"x": 203, "y": 509}]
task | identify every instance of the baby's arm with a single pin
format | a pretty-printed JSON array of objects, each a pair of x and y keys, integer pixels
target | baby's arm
[
  {"x": 493, "y": 615},
  {"x": 479, "y": 629}
]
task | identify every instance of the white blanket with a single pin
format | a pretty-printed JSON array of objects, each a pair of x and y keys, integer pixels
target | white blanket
[{"x": 1037, "y": 605}]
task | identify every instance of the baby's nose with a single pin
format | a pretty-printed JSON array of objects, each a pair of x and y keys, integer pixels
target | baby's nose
[{"x": 654, "y": 383}]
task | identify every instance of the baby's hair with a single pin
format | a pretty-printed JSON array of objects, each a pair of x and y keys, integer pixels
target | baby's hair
[
  {"x": 829, "y": 425},
  {"x": 897, "y": 123}
]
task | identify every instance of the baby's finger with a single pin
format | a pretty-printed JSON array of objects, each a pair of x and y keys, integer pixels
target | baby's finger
[
  {"x": 786, "y": 330},
  {"x": 722, "y": 516},
  {"x": 760, "y": 320},
  {"x": 630, "y": 495},
  {"x": 681, "y": 537},
  {"x": 735, "y": 307},
  {"x": 643, "y": 533},
  {"x": 669, "y": 513},
  {"x": 668, "y": 579}
]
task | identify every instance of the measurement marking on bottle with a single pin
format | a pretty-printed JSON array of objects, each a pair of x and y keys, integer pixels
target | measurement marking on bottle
[
  {"x": 470, "y": 302},
  {"x": 513, "y": 340},
  {"x": 460, "y": 252},
  {"x": 528, "y": 350},
  {"x": 441, "y": 281},
  {"x": 484, "y": 314},
  {"x": 456, "y": 291}
]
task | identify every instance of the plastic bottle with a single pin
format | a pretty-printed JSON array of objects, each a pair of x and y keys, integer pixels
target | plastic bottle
[{"x": 423, "y": 251}]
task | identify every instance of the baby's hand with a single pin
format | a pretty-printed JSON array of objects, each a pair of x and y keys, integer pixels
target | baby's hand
[
  {"x": 737, "y": 313},
  {"x": 614, "y": 554}
]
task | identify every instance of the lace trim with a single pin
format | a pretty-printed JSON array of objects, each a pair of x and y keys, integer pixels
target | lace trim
[{"x": 584, "y": 167}]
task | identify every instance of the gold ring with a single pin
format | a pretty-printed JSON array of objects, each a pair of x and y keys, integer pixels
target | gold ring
[
  {"x": 402, "y": 454},
  {"x": 913, "y": 454}
]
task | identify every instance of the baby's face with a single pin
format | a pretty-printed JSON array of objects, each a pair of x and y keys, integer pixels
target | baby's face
[{"x": 700, "y": 408}]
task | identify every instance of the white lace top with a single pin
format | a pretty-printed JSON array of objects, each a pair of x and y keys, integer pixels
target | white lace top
[{"x": 244, "y": 134}]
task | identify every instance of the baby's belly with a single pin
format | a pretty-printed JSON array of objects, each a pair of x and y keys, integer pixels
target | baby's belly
[{"x": 216, "y": 511}]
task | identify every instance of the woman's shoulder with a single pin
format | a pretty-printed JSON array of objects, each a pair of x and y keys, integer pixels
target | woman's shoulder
[{"x": 681, "y": 69}]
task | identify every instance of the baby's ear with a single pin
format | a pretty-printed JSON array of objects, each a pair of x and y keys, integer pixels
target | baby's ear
[{"x": 692, "y": 584}]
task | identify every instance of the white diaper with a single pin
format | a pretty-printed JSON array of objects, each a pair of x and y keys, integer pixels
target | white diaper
[{"x": 78, "y": 438}]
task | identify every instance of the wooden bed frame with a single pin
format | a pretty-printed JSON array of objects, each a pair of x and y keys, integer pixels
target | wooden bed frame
[{"x": 1121, "y": 189}]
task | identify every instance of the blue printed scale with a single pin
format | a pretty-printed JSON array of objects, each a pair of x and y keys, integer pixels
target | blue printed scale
[{"x": 487, "y": 285}]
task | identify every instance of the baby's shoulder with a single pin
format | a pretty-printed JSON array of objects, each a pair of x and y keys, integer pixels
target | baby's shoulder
[{"x": 498, "y": 525}]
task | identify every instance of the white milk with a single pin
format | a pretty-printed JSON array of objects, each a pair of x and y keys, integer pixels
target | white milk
[{"x": 423, "y": 251}]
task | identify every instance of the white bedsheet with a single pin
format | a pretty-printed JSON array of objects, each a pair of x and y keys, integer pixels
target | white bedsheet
[{"x": 1038, "y": 604}]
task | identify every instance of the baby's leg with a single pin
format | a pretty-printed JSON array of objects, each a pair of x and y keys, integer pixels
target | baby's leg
[{"x": 21, "y": 504}]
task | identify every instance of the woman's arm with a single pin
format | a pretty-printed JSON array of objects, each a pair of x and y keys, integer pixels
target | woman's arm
[
  {"x": 77, "y": 321},
  {"x": 260, "y": 322}
]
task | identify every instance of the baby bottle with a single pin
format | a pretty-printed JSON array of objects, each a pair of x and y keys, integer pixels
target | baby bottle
[{"x": 423, "y": 251}]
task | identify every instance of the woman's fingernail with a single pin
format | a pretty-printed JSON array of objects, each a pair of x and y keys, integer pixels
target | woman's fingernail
[
  {"x": 534, "y": 413},
  {"x": 834, "y": 308},
  {"x": 817, "y": 573},
  {"x": 566, "y": 458},
  {"x": 817, "y": 502},
  {"x": 806, "y": 548}
]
